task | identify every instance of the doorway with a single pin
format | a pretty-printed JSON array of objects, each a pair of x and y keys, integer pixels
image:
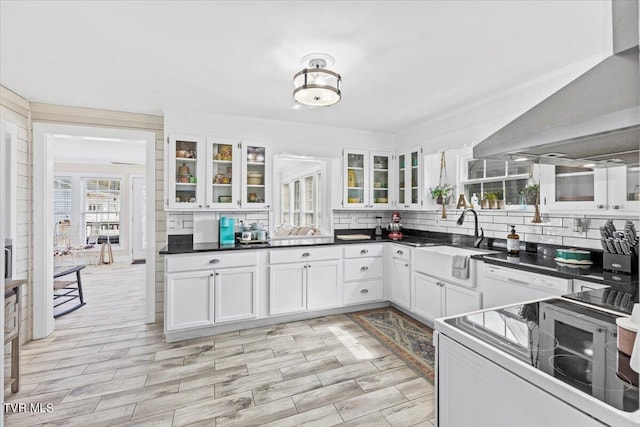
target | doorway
[{"x": 44, "y": 143}]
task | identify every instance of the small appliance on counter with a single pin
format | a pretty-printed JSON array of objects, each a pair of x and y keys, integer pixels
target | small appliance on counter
[
  {"x": 227, "y": 231},
  {"x": 254, "y": 233},
  {"x": 394, "y": 227}
]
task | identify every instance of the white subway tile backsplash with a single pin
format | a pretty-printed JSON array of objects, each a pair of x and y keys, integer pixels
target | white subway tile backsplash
[
  {"x": 539, "y": 238},
  {"x": 508, "y": 219},
  {"x": 581, "y": 243}
]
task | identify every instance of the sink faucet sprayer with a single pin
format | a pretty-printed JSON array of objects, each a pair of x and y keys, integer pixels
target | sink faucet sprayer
[{"x": 477, "y": 238}]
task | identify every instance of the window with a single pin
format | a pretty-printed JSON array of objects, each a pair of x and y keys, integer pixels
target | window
[
  {"x": 300, "y": 202},
  {"x": 62, "y": 199},
  {"x": 102, "y": 205},
  {"x": 505, "y": 179}
]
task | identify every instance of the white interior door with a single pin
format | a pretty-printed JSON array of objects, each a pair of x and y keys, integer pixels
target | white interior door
[{"x": 139, "y": 218}]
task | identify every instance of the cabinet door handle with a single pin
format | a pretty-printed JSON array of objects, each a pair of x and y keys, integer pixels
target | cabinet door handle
[
  {"x": 308, "y": 265},
  {"x": 214, "y": 261},
  {"x": 518, "y": 282},
  {"x": 399, "y": 252},
  {"x": 211, "y": 275},
  {"x": 364, "y": 268},
  {"x": 199, "y": 206},
  {"x": 364, "y": 251},
  {"x": 364, "y": 291},
  {"x": 306, "y": 254},
  {"x": 600, "y": 206},
  {"x": 406, "y": 265},
  {"x": 615, "y": 206},
  {"x": 217, "y": 274},
  {"x": 439, "y": 283}
]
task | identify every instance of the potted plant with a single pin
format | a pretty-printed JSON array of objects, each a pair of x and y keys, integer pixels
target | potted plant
[
  {"x": 530, "y": 193},
  {"x": 442, "y": 193},
  {"x": 500, "y": 197},
  {"x": 492, "y": 200}
]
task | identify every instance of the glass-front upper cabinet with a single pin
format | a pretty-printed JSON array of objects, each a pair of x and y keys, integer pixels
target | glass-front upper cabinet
[
  {"x": 223, "y": 180},
  {"x": 185, "y": 172},
  {"x": 623, "y": 187},
  {"x": 380, "y": 182},
  {"x": 356, "y": 175},
  {"x": 409, "y": 179},
  {"x": 573, "y": 187},
  {"x": 256, "y": 178},
  {"x": 367, "y": 179}
]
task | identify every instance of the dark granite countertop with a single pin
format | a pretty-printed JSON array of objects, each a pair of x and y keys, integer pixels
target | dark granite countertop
[{"x": 535, "y": 258}]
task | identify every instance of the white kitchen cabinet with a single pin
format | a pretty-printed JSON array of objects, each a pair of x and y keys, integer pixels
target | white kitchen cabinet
[
  {"x": 287, "y": 288},
  {"x": 304, "y": 279},
  {"x": 209, "y": 288},
  {"x": 493, "y": 396},
  {"x": 189, "y": 300},
  {"x": 433, "y": 298},
  {"x": 367, "y": 179},
  {"x": 223, "y": 180},
  {"x": 323, "y": 285},
  {"x": 304, "y": 286},
  {"x": 185, "y": 171},
  {"x": 256, "y": 175},
  {"x": 400, "y": 276},
  {"x": 584, "y": 189},
  {"x": 208, "y": 173},
  {"x": 363, "y": 273},
  {"x": 409, "y": 179},
  {"x": 235, "y": 294}
]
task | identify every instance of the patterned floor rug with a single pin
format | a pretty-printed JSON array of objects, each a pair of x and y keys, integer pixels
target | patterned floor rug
[{"x": 409, "y": 339}]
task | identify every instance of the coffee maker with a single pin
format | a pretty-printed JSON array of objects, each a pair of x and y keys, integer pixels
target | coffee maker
[
  {"x": 394, "y": 227},
  {"x": 227, "y": 231}
]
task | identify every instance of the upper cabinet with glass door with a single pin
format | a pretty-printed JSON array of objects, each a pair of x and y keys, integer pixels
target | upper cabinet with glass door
[
  {"x": 380, "y": 181},
  {"x": 256, "y": 176},
  {"x": 367, "y": 179},
  {"x": 410, "y": 179},
  {"x": 184, "y": 172},
  {"x": 223, "y": 180},
  {"x": 573, "y": 187},
  {"x": 587, "y": 188}
]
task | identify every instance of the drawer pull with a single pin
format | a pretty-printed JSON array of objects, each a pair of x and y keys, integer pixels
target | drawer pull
[
  {"x": 399, "y": 252},
  {"x": 306, "y": 254},
  {"x": 214, "y": 261},
  {"x": 364, "y": 251},
  {"x": 365, "y": 268},
  {"x": 364, "y": 291}
]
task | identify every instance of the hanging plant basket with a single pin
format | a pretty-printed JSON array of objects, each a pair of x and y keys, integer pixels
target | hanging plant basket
[{"x": 447, "y": 199}]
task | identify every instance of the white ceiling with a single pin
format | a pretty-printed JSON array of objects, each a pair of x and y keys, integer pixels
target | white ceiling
[{"x": 402, "y": 62}]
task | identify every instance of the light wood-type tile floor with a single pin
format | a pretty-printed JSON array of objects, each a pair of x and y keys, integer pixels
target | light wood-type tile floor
[{"x": 104, "y": 367}]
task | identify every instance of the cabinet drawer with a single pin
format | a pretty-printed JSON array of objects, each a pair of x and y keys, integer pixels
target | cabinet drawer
[
  {"x": 361, "y": 251},
  {"x": 304, "y": 254},
  {"x": 401, "y": 252},
  {"x": 363, "y": 269},
  {"x": 360, "y": 292},
  {"x": 209, "y": 261}
]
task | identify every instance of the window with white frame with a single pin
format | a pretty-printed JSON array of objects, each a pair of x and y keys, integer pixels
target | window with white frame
[
  {"x": 102, "y": 205},
  {"x": 504, "y": 179},
  {"x": 300, "y": 204},
  {"x": 62, "y": 199}
]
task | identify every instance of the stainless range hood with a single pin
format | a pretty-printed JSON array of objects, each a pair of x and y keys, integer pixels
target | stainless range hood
[{"x": 595, "y": 119}]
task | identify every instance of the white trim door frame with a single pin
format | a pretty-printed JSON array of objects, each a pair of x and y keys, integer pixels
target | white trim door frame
[
  {"x": 137, "y": 234},
  {"x": 43, "y": 169}
]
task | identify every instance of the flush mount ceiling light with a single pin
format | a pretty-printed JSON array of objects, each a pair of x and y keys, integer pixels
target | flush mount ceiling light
[{"x": 315, "y": 85}]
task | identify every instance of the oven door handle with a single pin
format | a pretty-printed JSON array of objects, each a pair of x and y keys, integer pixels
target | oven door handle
[{"x": 517, "y": 282}]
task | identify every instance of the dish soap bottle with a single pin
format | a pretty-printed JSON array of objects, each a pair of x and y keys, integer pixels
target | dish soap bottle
[
  {"x": 513, "y": 242},
  {"x": 474, "y": 202}
]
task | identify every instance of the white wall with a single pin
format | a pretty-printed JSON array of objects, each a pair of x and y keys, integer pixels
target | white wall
[
  {"x": 480, "y": 119},
  {"x": 287, "y": 137}
]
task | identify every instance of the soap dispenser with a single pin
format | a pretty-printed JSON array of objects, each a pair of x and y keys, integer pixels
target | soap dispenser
[{"x": 513, "y": 242}]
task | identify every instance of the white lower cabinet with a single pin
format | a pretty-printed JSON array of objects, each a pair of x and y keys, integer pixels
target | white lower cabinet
[
  {"x": 190, "y": 297},
  {"x": 304, "y": 286},
  {"x": 494, "y": 396},
  {"x": 435, "y": 298},
  {"x": 235, "y": 294},
  {"x": 363, "y": 273},
  {"x": 400, "y": 282}
]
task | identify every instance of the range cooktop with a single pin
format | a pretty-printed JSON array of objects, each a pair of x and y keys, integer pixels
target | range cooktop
[{"x": 571, "y": 342}]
